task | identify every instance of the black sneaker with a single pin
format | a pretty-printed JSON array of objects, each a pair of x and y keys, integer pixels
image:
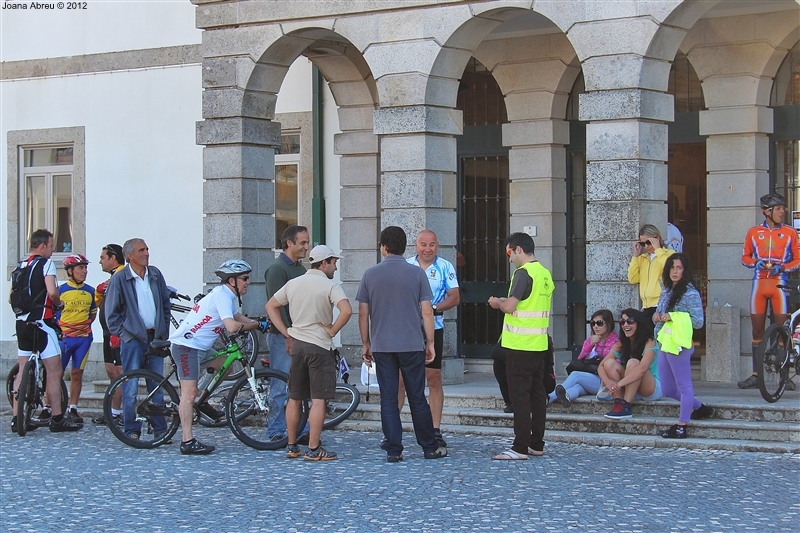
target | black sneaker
[
  {"x": 394, "y": 458},
  {"x": 749, "y": 383},
  {"x": 210, "y": 411},
  {"x": 675, "y": 432},
  {"x": 45, "y": 414},
  {"x": 195, "y": 447},
  {"x": 293, "y": 451},
  {"x": 320, "y": 454},
  {"x": 99, "y": 421},
  {"x": 13, "y": 424},
  {"x": 384, "y": 443},
  {"x": 438, "y": 453},
  {"x": 702, "y": 412},
  {"x": 72, "y": 413},
  {"x": 561, "y": 395},
  {"x": 439, "y": 439},
  {"x": 508, "y": 408},
  {"x": 120, "y": 423},
  {"x": 65, "y": 425}
]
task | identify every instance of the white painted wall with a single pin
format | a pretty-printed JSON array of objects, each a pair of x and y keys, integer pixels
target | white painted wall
[
  {"x": 144, "y": 172},
  {"x": 103, "y": 27},
  {"x": 330, "y": 170},
  {"x": 295, "y": 94}
]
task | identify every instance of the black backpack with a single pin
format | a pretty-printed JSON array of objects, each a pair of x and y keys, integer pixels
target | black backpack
[{"x": 21, "y": 300}]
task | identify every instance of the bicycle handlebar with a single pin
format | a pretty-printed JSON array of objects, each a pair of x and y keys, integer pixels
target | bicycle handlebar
[{"x": 789, "y": 288}]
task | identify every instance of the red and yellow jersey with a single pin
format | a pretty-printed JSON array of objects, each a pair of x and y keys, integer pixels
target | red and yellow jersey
[
  {"x": 778, "y": 246},
  {"x": 100, "y": 291},
  {"x": 79, "y": 310}
]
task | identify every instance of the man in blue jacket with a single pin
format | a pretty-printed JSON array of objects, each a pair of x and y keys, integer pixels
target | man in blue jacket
[{"x": 137, "y": 311}]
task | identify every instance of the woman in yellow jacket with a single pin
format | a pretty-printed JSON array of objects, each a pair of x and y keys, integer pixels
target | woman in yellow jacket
[{"x": 647, "y": 266}]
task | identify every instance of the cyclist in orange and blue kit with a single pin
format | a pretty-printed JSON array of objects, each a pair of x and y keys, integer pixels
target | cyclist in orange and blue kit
[
  {"x": 75, "y": 321},
  {"x": 772, "y": 249}
]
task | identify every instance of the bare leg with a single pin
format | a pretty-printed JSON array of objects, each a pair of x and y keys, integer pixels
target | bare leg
[
  {"x": 114, "y": 372},
  {"x": 435, "y": 394},
  {"x": 75, "y": 385},
  {"x": 293, "y": 419},
  {"x": 186, "y": 408},
  {"x": 54, "y": 373},
  {"x": 316, "y": 416},
  {"x": 21, "y": 361}
]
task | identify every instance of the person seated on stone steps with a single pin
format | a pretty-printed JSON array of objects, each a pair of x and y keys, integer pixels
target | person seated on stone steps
[
  {"x": 630, "y": 370},
  {"x": 597, "y": 346},
  {"x": 679, "y": 301}
]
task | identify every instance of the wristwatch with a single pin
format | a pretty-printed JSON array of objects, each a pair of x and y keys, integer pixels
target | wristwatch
[{"x": 435, "y": 311}]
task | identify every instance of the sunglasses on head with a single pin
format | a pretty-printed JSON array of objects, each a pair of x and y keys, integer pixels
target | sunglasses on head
[
  {"x": 598, "y": 323},
  {"x": 629, "y": 320}
]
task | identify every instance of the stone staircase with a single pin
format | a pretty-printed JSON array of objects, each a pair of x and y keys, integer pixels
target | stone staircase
[{"x": 742, "y": 421}]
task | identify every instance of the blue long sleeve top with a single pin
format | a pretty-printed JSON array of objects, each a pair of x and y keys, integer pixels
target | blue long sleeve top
[{"x": 690, "y": 303}]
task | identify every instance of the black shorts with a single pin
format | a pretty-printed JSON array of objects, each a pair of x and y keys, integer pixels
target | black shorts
[
  {"x": 438, "y": 347},
  {"x": 313, "y": 372},
  {"x": 46, "y": 337},
  {"x": 110, "y": 355}
]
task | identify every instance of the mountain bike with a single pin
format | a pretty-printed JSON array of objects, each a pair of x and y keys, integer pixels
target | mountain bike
[
  {"x": 247, "y": 341},
  {"x": 247, "y": 407},
  {"x": 777, "y": 355},
  {"x": 31, "y": 394}
]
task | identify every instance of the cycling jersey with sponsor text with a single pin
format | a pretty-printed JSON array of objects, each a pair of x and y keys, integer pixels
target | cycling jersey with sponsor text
[
  {"x": 778, "y": 246},
  {"x": 203, "y": 324}
]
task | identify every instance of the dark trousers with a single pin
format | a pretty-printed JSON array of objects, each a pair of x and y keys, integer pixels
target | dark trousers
[
  {"x": 525, "y": 373},
  {"x": 499, "y": 366},
  {"x": 412, "y": 366}
]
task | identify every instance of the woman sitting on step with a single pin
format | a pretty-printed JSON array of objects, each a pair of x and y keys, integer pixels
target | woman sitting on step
[
  {"x": 630, "y": 370},
  {"x": 679, "y": 312},
  {"x": 595, "y": 348}
]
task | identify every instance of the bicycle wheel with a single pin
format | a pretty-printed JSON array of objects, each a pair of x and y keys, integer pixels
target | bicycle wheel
[
  {"x": 12, "y": 375},
  {"x": 248, "y": 345},
  {"x": 772, "y": 358},
  {"x": 342, "y": 406},
  {"x": 218, "y": 400},
  {"x": 249, "y": 422},
  {"x": 147, "y": 412},
  {"x": 27, "y": 397}
]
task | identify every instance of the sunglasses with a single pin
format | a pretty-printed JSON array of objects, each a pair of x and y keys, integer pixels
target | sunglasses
[
  {"x": 629, "y": 320},
  {"x": 244, "y": 278},
  {"x": 598, "y": 323},
  {"x": 645, "y": 243}
]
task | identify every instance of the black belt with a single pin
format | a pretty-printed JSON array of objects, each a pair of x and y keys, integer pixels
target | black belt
[{"x": 151, "y": 331}]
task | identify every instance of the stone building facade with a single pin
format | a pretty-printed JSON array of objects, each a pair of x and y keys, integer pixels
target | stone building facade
[{"x": 395, "y": 70}]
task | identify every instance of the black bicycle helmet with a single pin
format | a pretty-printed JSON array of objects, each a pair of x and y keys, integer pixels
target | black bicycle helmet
[
  {"x": 768, "y": 201},
  {"x": 232, "y": 267}
]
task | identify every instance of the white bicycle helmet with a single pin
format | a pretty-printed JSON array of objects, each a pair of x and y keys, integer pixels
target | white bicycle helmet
[{"x": 232, "y": 267}]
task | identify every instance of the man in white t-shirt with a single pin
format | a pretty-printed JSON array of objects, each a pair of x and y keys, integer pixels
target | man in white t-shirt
[
  {"x": 217, "y": 310},
  {"x": 674, "y": 238}
]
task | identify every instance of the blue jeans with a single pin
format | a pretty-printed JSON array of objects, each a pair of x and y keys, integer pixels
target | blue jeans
[
  {"x": 412, "y": 365},
  {"x": 132, "y": 355},
  {"x": 279, "y": 360},
  {"x": 579, "y": 384}
]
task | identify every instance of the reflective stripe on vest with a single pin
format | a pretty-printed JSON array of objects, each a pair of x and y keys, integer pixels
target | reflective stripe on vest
[{"x": 526, "y": 328}]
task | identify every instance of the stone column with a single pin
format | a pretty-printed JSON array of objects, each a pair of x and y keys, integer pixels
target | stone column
[
  {"x": 418, "y": 188},
  {"x": 626, "y": 175}
]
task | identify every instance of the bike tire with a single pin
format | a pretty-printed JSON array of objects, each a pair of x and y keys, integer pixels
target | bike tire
[
  {"x": 772, "y": 362},
  {"x": 218, "y": 400},
  {"x": 342, "y": 406},
  {"x": 12, "y": 375},
  {"x": 147, "y": 411},
  {"x": 27, "y": 397},
  {"x": 245, "y": 419},
  {"x": 248, "y": 345}
]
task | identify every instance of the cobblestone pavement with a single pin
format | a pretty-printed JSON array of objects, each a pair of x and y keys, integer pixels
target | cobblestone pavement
[{"x": 90, "y": 482}]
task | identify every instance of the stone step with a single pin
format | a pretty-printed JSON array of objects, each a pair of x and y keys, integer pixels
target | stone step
[
  {"x": 505, "y": 435},
  {"x": 640, "y": 424}
]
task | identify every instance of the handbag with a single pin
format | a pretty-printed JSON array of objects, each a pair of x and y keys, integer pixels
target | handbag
[{"x": 584, "y": 365}]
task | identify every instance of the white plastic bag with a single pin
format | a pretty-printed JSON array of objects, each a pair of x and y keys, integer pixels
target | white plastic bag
[{"x": 368, "y": 377}]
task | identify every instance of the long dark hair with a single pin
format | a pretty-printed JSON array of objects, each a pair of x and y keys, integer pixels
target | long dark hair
[
  {"x": 633, "y": 348},
  {"x": 679, "y": 288}
]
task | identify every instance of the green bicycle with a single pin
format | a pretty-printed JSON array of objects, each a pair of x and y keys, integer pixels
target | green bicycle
[{"x": 247, "y": 407}]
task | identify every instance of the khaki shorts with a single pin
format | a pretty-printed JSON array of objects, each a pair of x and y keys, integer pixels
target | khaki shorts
[{"x": 313, "y": 372}]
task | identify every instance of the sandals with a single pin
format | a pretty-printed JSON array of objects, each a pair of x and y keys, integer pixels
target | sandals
[{"x": 510, "y": 455}]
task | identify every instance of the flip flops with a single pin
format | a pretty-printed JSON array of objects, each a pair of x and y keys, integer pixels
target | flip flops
[{"x": 510, "y": 455}]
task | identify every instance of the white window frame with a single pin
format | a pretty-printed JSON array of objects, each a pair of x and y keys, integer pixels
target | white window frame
[
  {"x": 16, "y": 142},
  {"x": 285, "y": 160}
]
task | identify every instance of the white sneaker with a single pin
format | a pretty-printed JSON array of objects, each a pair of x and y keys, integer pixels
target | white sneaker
[{"x": 603, "y": 395}]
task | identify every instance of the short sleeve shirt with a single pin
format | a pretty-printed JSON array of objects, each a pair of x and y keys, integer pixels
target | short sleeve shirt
[
  {"x": 441, "y": 277},
  {"x": 203, "y": 324}
]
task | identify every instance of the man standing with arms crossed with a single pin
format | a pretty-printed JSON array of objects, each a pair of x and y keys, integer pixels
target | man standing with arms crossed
[
  {"x": 527, "y": 317},
  {"x": 294, "y": 241},
  {"x": 137, "y": 311},
  {"x": 444, "y": 285},
  {"x": 394, "y": 297},
  {"x": 311, "y": 298},
  {"x": 44, "y": 292},
  {"x": 772, "y": 250},
  {"x": 111, "y": 261}
]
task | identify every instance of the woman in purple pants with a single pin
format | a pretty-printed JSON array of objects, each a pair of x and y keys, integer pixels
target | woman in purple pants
[{"x": 675, "y": 371}]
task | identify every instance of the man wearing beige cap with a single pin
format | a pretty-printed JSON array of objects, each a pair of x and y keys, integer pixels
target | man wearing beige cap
[{"x": 311, "y": 298}]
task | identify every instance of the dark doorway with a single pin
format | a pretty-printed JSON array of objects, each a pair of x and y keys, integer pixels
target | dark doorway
[{"x": 483, "y": 217}]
